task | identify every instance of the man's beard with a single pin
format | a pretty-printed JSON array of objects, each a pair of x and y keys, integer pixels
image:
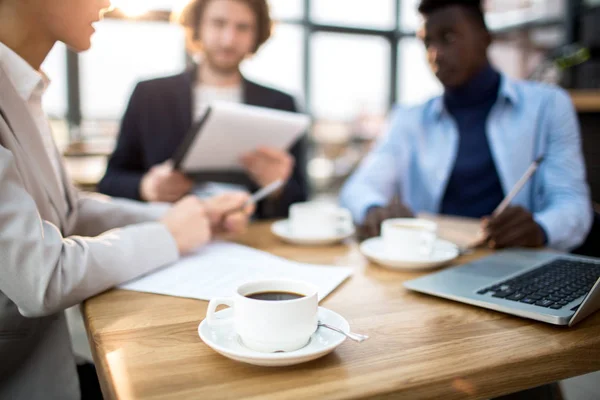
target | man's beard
[{"x": 220, "y": 67}]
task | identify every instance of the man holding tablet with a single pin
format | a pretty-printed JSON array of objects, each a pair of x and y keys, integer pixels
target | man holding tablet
[{"x": 222, "y": 33}]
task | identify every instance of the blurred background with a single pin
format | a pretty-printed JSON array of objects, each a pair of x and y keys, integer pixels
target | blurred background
[{"x": 348, "y": 62}]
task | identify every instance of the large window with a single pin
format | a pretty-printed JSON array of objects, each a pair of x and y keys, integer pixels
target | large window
[
  {"x": 349, "y": 76},
  {"x": 416, "y": 82},
  {"x": 279, "y": 62},
  {"x": 287, "y": 9},
  {"x": 345, "y": 59},
  {"x": 409, "y": 17},
  {"x": 134, "y": 8},
  {"x": 356, "y": 13},
  {"x": 55, "y": 67},
  {"x": 122, "y": 54}
]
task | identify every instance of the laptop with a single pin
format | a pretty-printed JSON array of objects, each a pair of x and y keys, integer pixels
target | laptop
[{"x": 550, "y": 287}]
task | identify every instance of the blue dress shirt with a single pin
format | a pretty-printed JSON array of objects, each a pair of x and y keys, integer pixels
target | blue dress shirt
[{"x": 415, "y": 159}]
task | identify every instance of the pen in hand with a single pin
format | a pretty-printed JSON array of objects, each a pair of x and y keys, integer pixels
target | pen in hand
[
  {"x": 518, "y": 186},
  {"x": 510, "y": 197},
  {"x": 257, "y": 196},
  {"x": 221, "y": 224},
  {"x": 264, "y": 192}
]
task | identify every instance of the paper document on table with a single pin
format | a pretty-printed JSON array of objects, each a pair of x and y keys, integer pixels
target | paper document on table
[{"x": 219, "y": 268}]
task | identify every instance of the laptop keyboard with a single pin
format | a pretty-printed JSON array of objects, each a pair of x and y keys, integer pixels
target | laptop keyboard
[{"x": 552, "y": 285}]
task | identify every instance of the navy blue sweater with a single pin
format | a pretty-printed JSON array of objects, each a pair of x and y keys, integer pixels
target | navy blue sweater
[{"x": 474, "y": 188}]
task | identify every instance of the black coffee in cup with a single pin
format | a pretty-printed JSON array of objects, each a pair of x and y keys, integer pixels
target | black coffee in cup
[{"x": 274, "y": 296}]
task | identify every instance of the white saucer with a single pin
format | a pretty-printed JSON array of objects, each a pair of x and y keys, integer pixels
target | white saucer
[
  {"x": 282, "y": 231},
  {"x": 443, "y": 252},
  {"x": 225, "y": 341}
]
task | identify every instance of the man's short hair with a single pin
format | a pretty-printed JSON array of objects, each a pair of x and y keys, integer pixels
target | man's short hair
[
  {"x": 191, "y": 17},
  {"x": 473, "y": 6}
]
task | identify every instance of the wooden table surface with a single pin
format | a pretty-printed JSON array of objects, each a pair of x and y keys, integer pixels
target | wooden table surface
[
  {"x": 586, "y": 100},
  {"x": 147, "y": 347}
]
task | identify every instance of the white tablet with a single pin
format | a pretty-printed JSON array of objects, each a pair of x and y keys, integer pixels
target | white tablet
[{"x": 228, "y": 130}]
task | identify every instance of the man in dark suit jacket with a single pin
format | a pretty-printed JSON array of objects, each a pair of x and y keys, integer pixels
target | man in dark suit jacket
[{"x": 161, "y": 111}]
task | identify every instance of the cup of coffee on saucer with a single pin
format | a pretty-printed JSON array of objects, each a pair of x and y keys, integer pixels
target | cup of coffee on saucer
[
  {"x": 315, "y": 223},
  {"x": 273, "y": 323},
  {"x": 409, "y": 237},
  {"x": 409, "y": 243},
  {"x": 271, "y": 315}
]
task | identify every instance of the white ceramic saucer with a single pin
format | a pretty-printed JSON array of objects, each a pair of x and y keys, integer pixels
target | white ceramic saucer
[
  {"x": 281, "y": 229},
  {"x": 225, "y": 341},
  {"x": 443, "y": 252}
]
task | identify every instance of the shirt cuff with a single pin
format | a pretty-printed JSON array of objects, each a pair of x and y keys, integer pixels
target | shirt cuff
[{"x": 359, "y": 206}]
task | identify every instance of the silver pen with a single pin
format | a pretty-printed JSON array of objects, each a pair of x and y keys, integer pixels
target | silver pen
[
  {"x": 264, "y": 192},
  {"x": 258, "y": 196},
  {"x": 518, "y": 186}
]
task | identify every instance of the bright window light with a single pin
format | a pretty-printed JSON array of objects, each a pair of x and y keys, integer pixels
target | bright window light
[{"x": 137, "y": 8}]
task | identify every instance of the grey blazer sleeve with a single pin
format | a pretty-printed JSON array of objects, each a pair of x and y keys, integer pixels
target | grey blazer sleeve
[
  {"x": 43, "y": 272},
  {"x": 97, "y": 213}
]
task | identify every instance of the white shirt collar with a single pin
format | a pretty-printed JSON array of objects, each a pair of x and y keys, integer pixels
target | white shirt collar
[{"x": 25, "y": 79}]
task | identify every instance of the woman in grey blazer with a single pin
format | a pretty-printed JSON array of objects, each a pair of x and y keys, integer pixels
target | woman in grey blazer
[{"x": 57, "y": 246}]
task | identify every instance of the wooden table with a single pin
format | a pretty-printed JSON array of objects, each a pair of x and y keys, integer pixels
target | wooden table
[
  {"x": 586, "y": 100},
  {"x": 147, "y": 346}
]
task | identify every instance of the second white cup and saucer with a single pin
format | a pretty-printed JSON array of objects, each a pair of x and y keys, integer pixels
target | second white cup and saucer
[
  {"x": 272, "y": 323},
  {"x": 315, "y": 224},
  {"x": 409, "y": 244}
]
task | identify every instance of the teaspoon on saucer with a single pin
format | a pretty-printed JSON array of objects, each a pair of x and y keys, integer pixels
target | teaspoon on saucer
[{"x": 357, "y": 337}]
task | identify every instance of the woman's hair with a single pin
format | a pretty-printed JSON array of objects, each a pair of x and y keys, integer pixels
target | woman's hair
[{"x": 191, "y": 17}]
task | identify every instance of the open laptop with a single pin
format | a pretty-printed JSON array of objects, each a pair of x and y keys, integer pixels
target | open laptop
[{"x": 550, "y": 287}]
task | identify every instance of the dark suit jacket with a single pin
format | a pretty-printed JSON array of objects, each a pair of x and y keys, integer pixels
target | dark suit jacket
[{"x": 156, "y": 122}]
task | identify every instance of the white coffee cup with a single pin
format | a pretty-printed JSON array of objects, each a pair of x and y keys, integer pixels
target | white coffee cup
[
  {"x": 270, "y": 325},
  {"x": 315, "y": 219},
  {"x": 409, "y": 237}
]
